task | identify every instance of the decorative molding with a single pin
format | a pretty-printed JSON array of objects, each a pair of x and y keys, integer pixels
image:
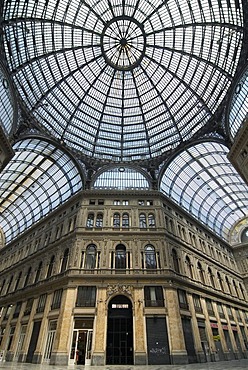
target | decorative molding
[{"x": 120, "y": 289}]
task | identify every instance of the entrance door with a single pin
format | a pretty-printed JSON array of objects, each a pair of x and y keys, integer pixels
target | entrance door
[
  {"x": 81, "y": 347},
  {"x": 120, "y": 332}
]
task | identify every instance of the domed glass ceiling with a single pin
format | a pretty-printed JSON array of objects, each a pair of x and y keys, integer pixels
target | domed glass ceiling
[
  {"x": 203, "y": 181},
  {"x": 127, "y": 80}
]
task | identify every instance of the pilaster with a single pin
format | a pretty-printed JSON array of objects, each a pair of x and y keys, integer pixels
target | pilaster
[{"x": 177, "y": 344}]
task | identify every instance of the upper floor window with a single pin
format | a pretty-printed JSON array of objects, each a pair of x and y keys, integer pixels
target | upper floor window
[
  {"x": 175, "y": 261},
  {"x": 17, "y": 310},
  {"x": 201, "y": 273},
  {"x": 150, "y": 257},
  {"x": 182, "y": 298},
  {"x": 90, "y": 257},
  {"x": 142, "y": 221},
  {"x": 57, "y": 298},
  {"x": 50, "y": 267},
  {"x": 220, "y": 281},
  {"x": 116, "y": 220},
  {"x": 65, "y": 260},
  {"x": 120, "y": 256},
  {"x": 151, "y": 220},
  {"x": 99, "y": 220},
  {"x": 125, "y": 220},
  {"x": 26, "y": 282},
  {"x": 211, "y": 277},
  {"x": 90, "y": 220},
  {"x": 189, "y": 267},
  {"x": 38, "y": 272},
  {"x": 41, "y": 303},
  {"x": 154, "y": 296},
  {"x": 86, "y": 296},
  {"x": 29, "y": 306},
  {"x": 197, "y": 303}
]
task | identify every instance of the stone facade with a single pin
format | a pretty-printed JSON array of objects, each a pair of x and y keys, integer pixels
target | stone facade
[{"x": 121, "y": 278}]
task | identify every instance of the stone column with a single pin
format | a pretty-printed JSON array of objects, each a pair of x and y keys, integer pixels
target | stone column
[
  {"x": 61, "y": 346},
  {"x": 212, "y": 348},
  {"x": 197, "y": 339},
  {"x": 100, "y": 329},
  {"x": 221, "y": 332},
  {"x": 231, "y": 335},
  {"x": 139, "y": 330},
  {"x": 177, "y": 344},
  {"x": 30, "y": 324},
  {"x": 37, "y": 357}
]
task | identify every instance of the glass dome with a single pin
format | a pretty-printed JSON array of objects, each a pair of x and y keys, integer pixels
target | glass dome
[
  {"x": 8, "y": 107},
  {"x": 203, "y": 181},
  {"x": 122, "y": 81},
  {"x": 239, "y": 104}
]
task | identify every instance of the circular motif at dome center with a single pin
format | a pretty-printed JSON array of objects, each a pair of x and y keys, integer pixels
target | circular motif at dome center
[{"x": 123, "y": 43}]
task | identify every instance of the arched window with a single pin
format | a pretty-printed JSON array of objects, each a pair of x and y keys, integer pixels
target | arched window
[
  {"x": 116, "y": 220},
  {"x": 242, "y": 291},
  {"x": 235, "y": 288},
  {"x": 99, "y": 220},
  {"x": 151, "y": 220},
  {"x": 64, "y": 260},
  {"x": 175, "y": 261},
  {"x": 142, "y": 221},
  {"x": 50, "y": 266},
  {"x": 90, "y": 257},
  {"x": 189, "y": 267},
  {"x": 220, "y": 281},
  {"x": 120, "y": 257},
  {"x": 90, "y": 220},
  {"x": 38, "y": 272},
  {"x": 201, "y": 273},
  {"x": 125, "y": 220},
  {"x": 211, "y": 277},
  {"x": 228, "y": 285},
  {"x": 26, "y": 282},
  {"x": 9, "y": 285},
  {"x": 150, "y": 257},
  {"x": 18, "y": 280}
]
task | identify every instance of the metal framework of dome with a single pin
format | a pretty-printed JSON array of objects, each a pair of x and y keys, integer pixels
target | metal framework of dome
[
  {"x": 203, "y": 181},
  {"x": 122, "y": 81},
  {"x": 37, "y": 180}
]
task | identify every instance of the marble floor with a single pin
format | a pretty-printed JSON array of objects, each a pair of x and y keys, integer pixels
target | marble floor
[{"x": 225, "y": 365}]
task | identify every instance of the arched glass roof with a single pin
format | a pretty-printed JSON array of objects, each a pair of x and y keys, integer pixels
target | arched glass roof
[
  {"x": 8, "y": 108},
  {"x": 125, "y": 80},
  {"x": 204, "y": 182},
  {"x": 39, "y": 178},
  {"x": 121, "y": 178},
  {"x": 239, "y": 104}
]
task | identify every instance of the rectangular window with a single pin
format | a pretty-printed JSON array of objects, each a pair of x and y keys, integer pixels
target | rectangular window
[
  {"x": 17, "y": 309},
  {"x": 154, "y": 296},
  {"x": 220, "y": 310},
  {"x": 209, "y": 307},
  {"x": 182, "y": 297},
  {"x": 41, "y": 303},
  {"x": 29, "y": 306},
  {"x": 197, "y": 303},
  {"x": 86, "y": 296},
  {"x": 8, "y": 311},
  {"x": 57, "y": 297}
]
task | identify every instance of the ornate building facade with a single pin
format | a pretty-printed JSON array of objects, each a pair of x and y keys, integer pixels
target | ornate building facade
[{"x": 122, "y": 278}]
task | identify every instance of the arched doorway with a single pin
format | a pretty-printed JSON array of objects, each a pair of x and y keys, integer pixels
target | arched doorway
[{"x": 120, "y": 331}]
